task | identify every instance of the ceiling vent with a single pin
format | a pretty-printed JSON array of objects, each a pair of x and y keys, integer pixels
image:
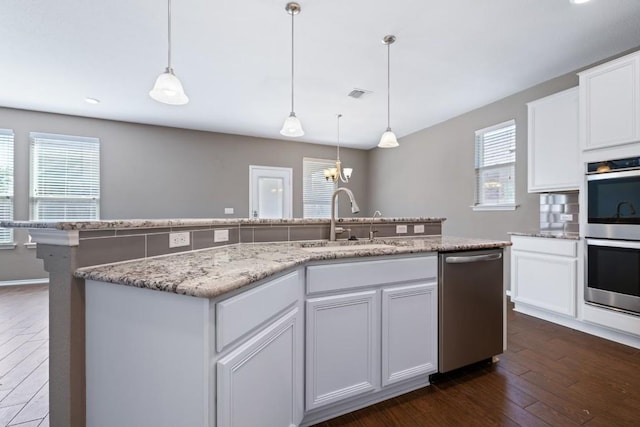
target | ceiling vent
[{"x": 357, "y": 93}]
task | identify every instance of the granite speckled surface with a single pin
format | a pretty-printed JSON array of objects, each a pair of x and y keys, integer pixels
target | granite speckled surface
[
  {"x": 547, "y": 234},
  {"x": 212, "y": 272},
  {"x": 197, "y": 222}
]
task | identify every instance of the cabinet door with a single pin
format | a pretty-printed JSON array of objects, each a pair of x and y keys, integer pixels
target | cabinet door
[
  {"x": 261, "y": 383},
  {"x": 342, "y": 347},
  {"x": 409, "y": 332},
  {"x": 553, "y": 143},
  {"x": 610, "y": 103},
  {"x": 544, "y": 281}
]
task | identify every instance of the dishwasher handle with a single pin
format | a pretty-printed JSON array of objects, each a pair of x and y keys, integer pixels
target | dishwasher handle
[{"x": 472, "y": 258}]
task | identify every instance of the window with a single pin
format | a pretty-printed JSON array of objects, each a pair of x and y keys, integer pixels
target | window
[
  {"x": 6, "y": 184},
  {"x": 65, "y": 177},
  {"x": 316, "y": 190},
  {"x": 496, "y": 167}
]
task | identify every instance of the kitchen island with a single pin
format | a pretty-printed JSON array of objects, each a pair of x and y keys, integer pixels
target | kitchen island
[
  {"x": 279, "y": 334},
  {"x": 226, "y": 341}
]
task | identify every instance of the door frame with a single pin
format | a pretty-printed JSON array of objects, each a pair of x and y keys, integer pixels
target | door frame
[{"x": 278, "y": 172}]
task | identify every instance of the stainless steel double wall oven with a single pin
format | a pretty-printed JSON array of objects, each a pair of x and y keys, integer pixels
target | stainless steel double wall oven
[{"x": 613, "y": 234}]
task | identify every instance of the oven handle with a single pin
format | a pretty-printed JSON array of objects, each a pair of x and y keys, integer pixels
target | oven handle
[
  {"x": 613, "y": 175},
  {"x": 614, "y": 243}
]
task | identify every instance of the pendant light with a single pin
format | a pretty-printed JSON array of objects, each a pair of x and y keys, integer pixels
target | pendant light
[
  {"x": 168, "y": 88},
  {"x": 336, "y": 173},
  {"x": 292, "y": 126},
  {"x": 388, "y": 139}
]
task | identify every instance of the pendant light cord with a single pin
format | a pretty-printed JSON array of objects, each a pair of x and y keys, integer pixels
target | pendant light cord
[
  {"x": 169, "y": 33},
  {"x": 388, "y": 86},
  {"x": 292, "y": 68},
  {"x": 338, "y": 154}
]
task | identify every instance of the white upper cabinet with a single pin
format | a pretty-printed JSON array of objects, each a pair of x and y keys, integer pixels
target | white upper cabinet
[
  {"x": 610, "y": 103},
  {"x": 553, "y": 147}
]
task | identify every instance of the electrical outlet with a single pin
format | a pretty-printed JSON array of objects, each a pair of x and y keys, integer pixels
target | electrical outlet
[
  {"x": 178, "y": 240},
  {"x": 566, "y": 217},
  {"x": 228, "y": 211},
  {"x": 401, "y": 229},
  {"x": 220, "y": 236}
]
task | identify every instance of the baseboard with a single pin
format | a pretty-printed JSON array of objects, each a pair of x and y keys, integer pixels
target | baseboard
[
  {"x": 582, "y": 326},
  {"x": 331, "y": 411},
  {"x": 43, "y": 281}
]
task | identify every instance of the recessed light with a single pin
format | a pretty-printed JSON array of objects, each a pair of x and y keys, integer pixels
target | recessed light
[
  {"x": 92, "y": 101},
  {"x": 578, "y": 1}
]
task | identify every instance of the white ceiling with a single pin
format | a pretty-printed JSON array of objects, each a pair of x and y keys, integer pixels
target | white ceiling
[{"x": 233, "y": 59}]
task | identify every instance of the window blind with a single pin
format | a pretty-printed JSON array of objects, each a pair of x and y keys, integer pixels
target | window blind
[
  {"x": 65, "y": 177},
  {"x": 6, "y": 183},
  {"x": 316, "y": 190},
  {"x": 495, "y": 165}
]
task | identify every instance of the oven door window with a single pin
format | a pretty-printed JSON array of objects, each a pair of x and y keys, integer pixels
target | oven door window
[
  {"x": 614, "y": 200},
  {"x": 614, "y": 269}
]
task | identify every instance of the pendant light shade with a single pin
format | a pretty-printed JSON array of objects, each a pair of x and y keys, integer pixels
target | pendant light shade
[
  {"x": 168, "y": 88},
  {"x": 292, "y": 126},
  {"x": 388, "y": 139}
]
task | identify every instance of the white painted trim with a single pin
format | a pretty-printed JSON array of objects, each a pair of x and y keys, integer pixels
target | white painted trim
[
  {"x": 586, "y": 327},
  {"x": 7, "y": 246},
  {"x": 277, "y": 172},
  {"x": 49, "y": 236},
  {"x": 23, "y": 282},
  {"x": 30, "y": 245},
  {"x": 494, "y": 207}
]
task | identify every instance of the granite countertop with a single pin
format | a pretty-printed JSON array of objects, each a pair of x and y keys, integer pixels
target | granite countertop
[
  {"x": 548, "y": 234},
  {"x": 208, "y": 273},
  {"x": 199, "y": 222}
]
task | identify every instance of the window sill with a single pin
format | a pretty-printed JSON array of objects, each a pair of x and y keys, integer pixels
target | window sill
[
  {"x": 494, "y": 207},
  {"x": 30, "y": 245},
  {"x": 7, "y": 246}
]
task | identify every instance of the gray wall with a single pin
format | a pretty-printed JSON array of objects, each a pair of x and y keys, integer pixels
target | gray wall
[
  {"x": 432, "y": 172},
  {"x": 158, "y": 172}
]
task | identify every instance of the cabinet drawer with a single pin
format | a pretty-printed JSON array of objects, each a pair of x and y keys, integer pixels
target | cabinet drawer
[
  {"x": 545, "y": 245},
  {"x": 238, "y": 315},
  {"x": 332, "y": 277}
]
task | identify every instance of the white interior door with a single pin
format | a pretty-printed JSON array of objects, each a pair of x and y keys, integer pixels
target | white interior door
[{"x": 270, "y": 192}]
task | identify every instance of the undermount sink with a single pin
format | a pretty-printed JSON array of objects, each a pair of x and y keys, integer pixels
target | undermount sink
[{"x": 345, "y": 247}]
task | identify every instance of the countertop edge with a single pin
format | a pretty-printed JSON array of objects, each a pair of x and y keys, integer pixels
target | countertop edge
[
  {"x": 203, "y": 222},
  {"x": 200, "y": 286},
  {"x": 547, "y": 235}
]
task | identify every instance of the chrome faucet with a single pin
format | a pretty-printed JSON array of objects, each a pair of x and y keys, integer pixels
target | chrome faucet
[
  {"x": 371, "y": 231},
  {"x": 354, "y": 209},
  {"x": 625, "y": 202}
]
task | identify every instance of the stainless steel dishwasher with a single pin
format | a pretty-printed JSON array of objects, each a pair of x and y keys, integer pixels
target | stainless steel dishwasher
[{"x": 471, "y": 307}]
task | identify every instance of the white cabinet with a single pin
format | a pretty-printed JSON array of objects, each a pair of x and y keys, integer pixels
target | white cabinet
[
  {"x": 372, "y": 332},
  {"x": 553, "y": 147},
  {"x": 409, "y": 332},
  {"x": 261, "y": 382},
  {"x": 544, "y": 273},
  {"x": 342, "y": 347},
  {"x": 610, "y": 103}
]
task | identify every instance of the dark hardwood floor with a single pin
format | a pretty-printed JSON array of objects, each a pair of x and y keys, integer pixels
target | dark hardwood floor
[
  {"x": 550, "y": 375},
  {"x": 24, "y": 356}
]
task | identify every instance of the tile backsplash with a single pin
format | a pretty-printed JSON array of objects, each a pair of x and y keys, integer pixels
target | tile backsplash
[{"x": 559, "y": 212}]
